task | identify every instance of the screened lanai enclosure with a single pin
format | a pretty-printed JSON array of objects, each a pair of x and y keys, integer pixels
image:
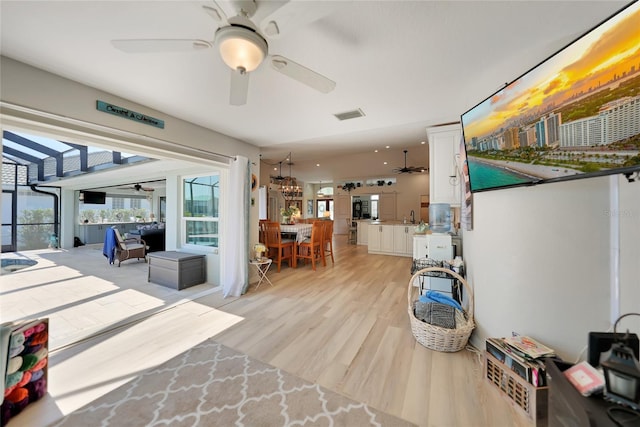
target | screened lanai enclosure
[{"x": 33, "y": 171}]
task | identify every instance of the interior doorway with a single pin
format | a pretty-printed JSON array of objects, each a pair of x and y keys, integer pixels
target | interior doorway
[{"x": 324, "y": 208}]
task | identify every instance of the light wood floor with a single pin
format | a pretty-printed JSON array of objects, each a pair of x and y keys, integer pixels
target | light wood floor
[{"x": 344, "y": 326}]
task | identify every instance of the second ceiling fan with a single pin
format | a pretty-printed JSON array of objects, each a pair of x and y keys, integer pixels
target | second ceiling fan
[
  {"x": 410, "y": 169},
  {"x": 242, "y": 46}
]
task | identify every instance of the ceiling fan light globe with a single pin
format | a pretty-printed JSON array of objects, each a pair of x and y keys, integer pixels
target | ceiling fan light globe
[{"x": 241, "y": 48}]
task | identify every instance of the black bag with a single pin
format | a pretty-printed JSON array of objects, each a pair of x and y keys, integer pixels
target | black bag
[{"x": 77, "y": 242}]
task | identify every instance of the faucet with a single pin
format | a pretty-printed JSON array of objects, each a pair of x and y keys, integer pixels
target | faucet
[{"x": 413, "y": 217}]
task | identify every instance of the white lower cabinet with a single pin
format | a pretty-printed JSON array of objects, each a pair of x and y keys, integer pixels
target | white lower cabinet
[
  {"x": 363, "y": 232},
  {"x": 403, "y": 240},
  {"x": 391, "y": 239}
]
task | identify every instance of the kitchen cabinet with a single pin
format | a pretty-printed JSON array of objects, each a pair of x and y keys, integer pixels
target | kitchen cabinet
[
  {"x": 444, "y": 179},
  {"x": 363, "y": 232},
  {"x": 380, "y": 239},
  {"x": 94, "y": 233},
  {"x": 391, "y": 239},
  {"x": 403, "y": 240}
]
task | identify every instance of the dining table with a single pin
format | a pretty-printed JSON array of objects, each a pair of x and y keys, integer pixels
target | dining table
[{"x": 302, "y": 231}]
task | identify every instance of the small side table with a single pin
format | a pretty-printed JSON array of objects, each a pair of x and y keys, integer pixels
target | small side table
[{"x": 262, "y": 266}]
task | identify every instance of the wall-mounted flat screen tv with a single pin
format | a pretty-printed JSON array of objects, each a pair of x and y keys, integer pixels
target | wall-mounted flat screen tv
[
  {"x": 574, "y": 115},
  {"x": 93, "y": 197}
]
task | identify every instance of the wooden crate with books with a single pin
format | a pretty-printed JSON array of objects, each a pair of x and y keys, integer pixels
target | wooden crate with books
[{"x": 520, "y": 378}]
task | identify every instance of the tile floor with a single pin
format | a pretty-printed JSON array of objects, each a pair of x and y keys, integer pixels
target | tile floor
[{"x": 118, "y": 323}]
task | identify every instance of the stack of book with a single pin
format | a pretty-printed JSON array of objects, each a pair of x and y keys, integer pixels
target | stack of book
[{"x": 523, "y": 355}]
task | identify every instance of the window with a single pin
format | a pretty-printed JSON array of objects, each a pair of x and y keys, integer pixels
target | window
[
  {"x": 136, "y": 203},
  {"x": 201, "y": 210},
  {"x": 118, "y": 203},
  {"x": 374, "y": 206},
  {"x": 114, "y": 210},
  {"x": 163, "y": 209},
  {"x": 325, "y": 208}
]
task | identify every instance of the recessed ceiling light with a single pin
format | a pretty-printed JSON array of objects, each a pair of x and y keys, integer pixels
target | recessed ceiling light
[
  {"x": 275, "y": 169},
  {"x": 387, "y": 146},
  {"x": 318, "y": 164},
  {"x": 385, "y": 163},
  {"x": 423, "y": 142},
  {"x": 375, "y": 151}
]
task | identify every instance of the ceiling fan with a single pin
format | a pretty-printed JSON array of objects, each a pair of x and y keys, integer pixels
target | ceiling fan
[
  {"x": 409, "y": 169},
  {"x": 242, "y": 46},
  {"x": 137, "y": 188}
]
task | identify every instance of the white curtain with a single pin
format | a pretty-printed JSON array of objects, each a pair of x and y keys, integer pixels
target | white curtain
[{"x": 235, "y": 279}]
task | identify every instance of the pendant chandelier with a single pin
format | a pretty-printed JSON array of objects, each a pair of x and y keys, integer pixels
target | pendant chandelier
[{"x": 289, "y": 186}]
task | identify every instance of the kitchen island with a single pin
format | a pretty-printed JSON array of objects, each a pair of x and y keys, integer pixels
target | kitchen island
[{"x": 388, "y": 237}]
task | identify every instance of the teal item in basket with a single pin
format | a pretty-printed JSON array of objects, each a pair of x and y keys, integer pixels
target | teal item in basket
[
  {"x": 435, "y": 296},
  {"x": 17, "y": 340},
  {"x": 14, "y": 379}
]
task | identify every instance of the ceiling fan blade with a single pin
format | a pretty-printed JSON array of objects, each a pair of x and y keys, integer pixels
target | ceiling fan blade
[
  {"x": 160, "y": 45},
  {"x": 214, "y": 10},
  {"x": 296, "y": 14},
  {"x": 239, "y": 87},
  {"x": 302, "y": 74}
]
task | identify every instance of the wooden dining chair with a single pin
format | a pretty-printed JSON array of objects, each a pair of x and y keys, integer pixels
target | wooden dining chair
[
  {"x": 261, "y": 225},
  {"x": 311, "y": 247},
  {"x": 327, "y": 239},
  {"x": 352, "y": 229},
  {"x": 279, "y": 249}
]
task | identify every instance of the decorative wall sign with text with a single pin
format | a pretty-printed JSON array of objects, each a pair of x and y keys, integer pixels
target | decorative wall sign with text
[{"x": 128, "y": 114}]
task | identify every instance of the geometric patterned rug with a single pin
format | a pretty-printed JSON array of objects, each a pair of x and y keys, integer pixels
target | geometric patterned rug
[{"x": 213, "y": 385}]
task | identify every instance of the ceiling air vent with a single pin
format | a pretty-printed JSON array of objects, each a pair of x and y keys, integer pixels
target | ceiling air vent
[{"x": 349, "y": 115}]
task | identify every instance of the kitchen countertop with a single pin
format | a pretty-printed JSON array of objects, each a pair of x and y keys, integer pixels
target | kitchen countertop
[{"x": 394, "y": 222}]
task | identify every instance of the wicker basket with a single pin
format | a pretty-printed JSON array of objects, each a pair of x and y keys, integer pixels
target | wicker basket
[{"x": 436, "y": 337}]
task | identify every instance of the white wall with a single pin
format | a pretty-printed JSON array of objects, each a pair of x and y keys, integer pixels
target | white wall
[
  {"x": 538, "y": 260},
  {"x": 629, "y": 215}
]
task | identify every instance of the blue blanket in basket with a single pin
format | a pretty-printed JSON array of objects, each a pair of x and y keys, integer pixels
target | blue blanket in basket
[{"x": 435, "y": 296}]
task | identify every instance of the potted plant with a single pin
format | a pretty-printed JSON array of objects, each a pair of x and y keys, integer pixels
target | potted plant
[{"x": 288, "y": 213}]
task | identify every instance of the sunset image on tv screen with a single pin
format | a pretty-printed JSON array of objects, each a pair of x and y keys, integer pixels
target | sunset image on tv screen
[{"x": 578, "y": 112}]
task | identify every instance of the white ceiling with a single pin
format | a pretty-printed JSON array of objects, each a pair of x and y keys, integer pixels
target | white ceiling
[{"x": 407, "y": 64}]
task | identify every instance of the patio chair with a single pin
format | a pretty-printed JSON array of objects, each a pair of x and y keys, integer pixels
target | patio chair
[{"x": 129, "y": 248}]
